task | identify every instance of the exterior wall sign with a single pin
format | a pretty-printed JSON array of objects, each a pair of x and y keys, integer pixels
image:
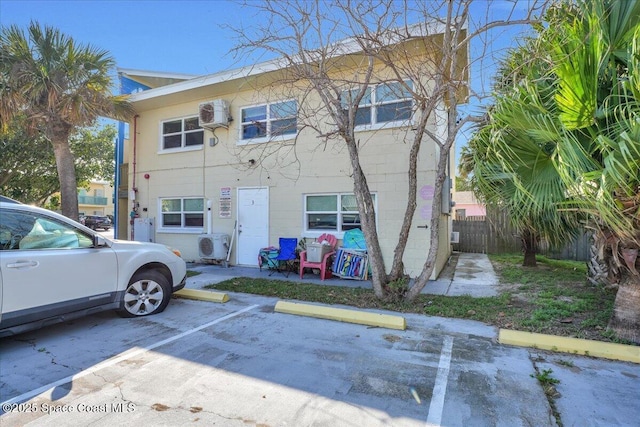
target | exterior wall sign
[
  {"x": 225, "y": 193},
  {"x": 427, "y": 192},
  {"x": 425, "y": 211},
  {"x": 225, "y": 202}
]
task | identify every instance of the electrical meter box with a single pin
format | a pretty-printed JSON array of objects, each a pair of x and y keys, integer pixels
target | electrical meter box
[{"x": 143, "y": 230}]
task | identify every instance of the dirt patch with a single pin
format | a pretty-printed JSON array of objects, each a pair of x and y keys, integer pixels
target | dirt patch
[
  {"x": 553, "y": 298},
  {"x": 392, "y": 338}
]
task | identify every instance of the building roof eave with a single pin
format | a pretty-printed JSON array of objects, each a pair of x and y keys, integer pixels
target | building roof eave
[{"x": 341, "y": 48}]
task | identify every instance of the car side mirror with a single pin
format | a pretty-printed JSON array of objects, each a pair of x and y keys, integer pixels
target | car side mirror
[{"x": 99, "y": 241}]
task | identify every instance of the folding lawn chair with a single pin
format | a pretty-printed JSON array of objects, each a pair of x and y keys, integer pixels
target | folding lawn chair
[{"x": 286, "y": 256}]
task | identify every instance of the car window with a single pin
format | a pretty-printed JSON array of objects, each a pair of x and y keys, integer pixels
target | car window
[{"x": 25, "y": 231}]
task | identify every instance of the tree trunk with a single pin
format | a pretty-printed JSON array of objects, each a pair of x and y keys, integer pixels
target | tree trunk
[
  {"x": 529, "y": 258},
  {"x": 530, "y": 245},
  {"x": 397, "y": 267},
  {"x": 596, "y": 269},
  {"x": 67, "y": 175},
  {"x": 429, "y": 264},
  {"x": 368, "y": 221},
  {"x": 625, "y": 321},
  {"x": 597, "y": 266}
]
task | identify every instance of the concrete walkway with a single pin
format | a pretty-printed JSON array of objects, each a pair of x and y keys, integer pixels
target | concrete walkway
[
  {"x": 466, "y": 274},
  {"x": 471, "y": 274}
]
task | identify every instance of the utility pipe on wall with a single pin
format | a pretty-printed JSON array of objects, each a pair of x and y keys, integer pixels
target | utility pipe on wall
[
  {"x": 135, "y": 140},
  {"x": 133, "y": 181}
]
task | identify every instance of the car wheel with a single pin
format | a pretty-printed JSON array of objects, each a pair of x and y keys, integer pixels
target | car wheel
[{"x": 148, "y": 293}]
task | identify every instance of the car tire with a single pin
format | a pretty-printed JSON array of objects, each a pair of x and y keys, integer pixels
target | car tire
[{"x": 148, "y": 293}]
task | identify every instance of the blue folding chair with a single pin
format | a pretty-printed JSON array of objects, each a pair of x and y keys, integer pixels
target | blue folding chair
[{"x": 286, "y": 256}]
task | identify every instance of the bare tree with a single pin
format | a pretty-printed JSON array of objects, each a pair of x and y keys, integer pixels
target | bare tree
[{"x": 335, "y": 51}]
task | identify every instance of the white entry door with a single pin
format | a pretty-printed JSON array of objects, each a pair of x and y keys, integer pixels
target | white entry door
[{"x": 253, "y": 223}]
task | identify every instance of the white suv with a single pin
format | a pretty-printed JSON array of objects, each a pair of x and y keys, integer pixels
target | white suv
[{"x": 53, "y": 269}]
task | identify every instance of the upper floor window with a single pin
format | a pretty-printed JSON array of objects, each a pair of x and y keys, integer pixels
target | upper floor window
[
  {"x": 382, "y": 104},
  {"x": 182, "y": 213},
  {"x": 182, "y": 133},
  {"x": 261, "y": 123}
]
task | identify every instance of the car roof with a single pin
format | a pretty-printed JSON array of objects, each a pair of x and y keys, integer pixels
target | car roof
[
  {"x": 6, "y": 199},
  {"x": 36, "y": 209}
]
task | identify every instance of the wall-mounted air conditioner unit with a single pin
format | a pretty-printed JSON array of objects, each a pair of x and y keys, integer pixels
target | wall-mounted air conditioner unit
[
  {"x": 455, "y": 237},
  {"x": 214, "y": 114},
  {"x": 213, "y": 246}
]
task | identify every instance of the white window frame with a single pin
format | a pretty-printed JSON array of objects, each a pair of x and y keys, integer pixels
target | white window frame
[
  {"x": 339, "y": 233},
  {"x": 375, "y": 104},
  {"x": 268, "y": 120},
  {"x": 182, "y": 228},
  {"x": 182, "y": 133}
]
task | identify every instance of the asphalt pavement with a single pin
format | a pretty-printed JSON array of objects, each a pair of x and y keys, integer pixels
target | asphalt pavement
[
  {"x": 242, "y": 363},
  {"x": 589, "y": 391}
]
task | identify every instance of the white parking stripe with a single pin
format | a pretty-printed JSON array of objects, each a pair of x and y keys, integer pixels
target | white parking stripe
[
  {"x": 110, "y": 362},
  {"x": 440, "y": 386}
]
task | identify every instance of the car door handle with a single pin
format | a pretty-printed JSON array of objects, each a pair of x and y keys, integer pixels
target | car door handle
[{"x": 22, "y": 264}]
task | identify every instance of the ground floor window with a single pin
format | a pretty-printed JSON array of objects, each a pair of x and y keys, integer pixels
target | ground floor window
[
  {"x": 336, "y": 212},
  {"x": 182, "y": 212}
]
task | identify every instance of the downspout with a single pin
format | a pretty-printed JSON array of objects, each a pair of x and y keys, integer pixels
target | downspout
[
  {"x": 134, "y": 189},
  {"x": 135, "y": 139}
]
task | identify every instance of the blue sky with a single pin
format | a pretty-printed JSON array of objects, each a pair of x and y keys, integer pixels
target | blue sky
[
  {"x": 172, "y": 36},
  {"x": 167, "y": 35}
]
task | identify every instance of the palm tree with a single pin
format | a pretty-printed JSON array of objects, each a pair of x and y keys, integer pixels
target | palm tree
[
  {"x": 58, "y": 85},
  {"x": 597, "y": 59},
  {"x": 584, "y": 107},
  {"x": 513, "y": 167},
  {"x": 515, "y": 173}
]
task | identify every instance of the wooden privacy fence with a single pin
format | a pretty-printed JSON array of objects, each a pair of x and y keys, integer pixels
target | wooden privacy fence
[{"x": 497, "y": 236}]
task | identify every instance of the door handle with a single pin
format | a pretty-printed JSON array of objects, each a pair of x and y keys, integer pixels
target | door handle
[{"x": 22, "y": 264}]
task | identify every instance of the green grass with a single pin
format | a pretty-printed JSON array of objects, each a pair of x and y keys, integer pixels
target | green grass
[
  {"x": 547, "y": 382},
  {"x": 556, "y": 298},
  {"x": 483, "y": 309},
  {"x": 548, "y": 272},
  {"x": 553, "y": 298}
]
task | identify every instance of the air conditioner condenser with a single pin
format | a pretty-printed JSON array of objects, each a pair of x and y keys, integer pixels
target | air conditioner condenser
[{"x": 213, "y": 246}]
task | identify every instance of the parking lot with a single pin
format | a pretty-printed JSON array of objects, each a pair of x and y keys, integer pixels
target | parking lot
[{"x": 241, "y": 363}]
